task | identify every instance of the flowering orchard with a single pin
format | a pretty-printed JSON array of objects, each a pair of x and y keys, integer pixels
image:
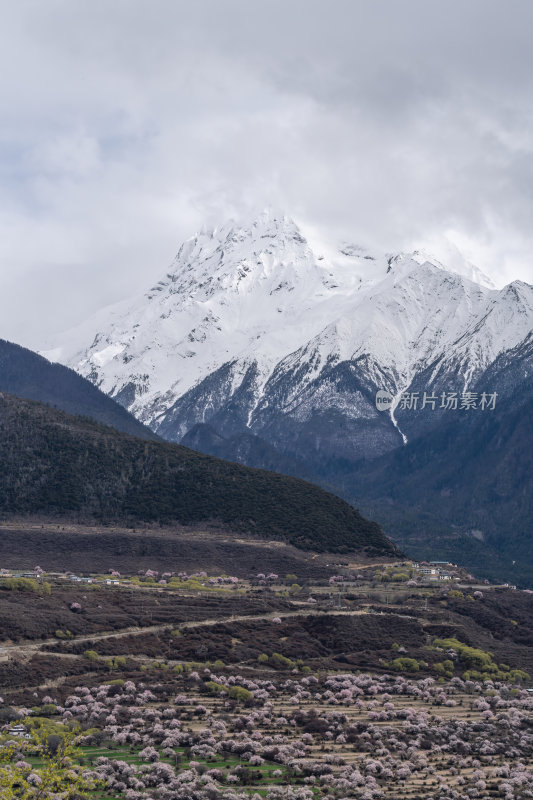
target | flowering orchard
[{"x": 205, "y": 734}]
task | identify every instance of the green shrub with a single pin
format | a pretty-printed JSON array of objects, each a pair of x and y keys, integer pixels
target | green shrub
[
  {"x": 189, "y": 666},
  {"x": 444, "y": 668},
  {"x": 59, "y": 634},
  {"x": 282, "y": 661},
  {"x": 22, "y": 585},
  {"x": 240, "y": 693},
  {"x": 519, "y": 675},
  {"x": 405, "y": 664},
  {"x": 472, "y": 657},
  {"x": 91, "y": 655},
  {"x": 216, "y": 688},
  {"x": 455, "y": 594},
  {"x": 119, "y": 662}
]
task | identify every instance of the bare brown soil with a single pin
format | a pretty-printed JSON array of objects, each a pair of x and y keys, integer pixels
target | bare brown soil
[
  {"x": 31, "y": 616},
  {"x": 88, "y": 548}
]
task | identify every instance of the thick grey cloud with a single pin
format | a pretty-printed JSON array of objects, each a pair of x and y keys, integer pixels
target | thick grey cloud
[{"x": 126, "y": 125}]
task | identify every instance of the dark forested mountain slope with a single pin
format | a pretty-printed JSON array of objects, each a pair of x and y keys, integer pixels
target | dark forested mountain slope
[
  {"x": 56, "y": 464},
  {"x": 464, "y": 491}
]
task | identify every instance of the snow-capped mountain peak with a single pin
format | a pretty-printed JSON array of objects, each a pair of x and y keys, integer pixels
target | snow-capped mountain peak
[
  {"x": 257, "y": 323},
  {"x": 268, "y": 256}
]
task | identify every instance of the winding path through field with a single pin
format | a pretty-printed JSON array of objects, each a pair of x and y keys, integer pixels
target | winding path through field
[{"x": 26, "y": 650}]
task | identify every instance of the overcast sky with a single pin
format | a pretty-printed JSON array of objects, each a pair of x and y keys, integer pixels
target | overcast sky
[{"x": 127, "y": 124}]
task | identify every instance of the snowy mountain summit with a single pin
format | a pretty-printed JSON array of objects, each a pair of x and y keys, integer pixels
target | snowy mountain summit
[{"x": 256, "y": 328}]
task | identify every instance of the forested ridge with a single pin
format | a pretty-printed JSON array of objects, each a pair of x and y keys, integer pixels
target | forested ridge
[{"x": 56, "y": 464}]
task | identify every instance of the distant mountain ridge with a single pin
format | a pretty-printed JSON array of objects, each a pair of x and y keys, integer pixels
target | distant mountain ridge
[{"x": 29, "y": 375}]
